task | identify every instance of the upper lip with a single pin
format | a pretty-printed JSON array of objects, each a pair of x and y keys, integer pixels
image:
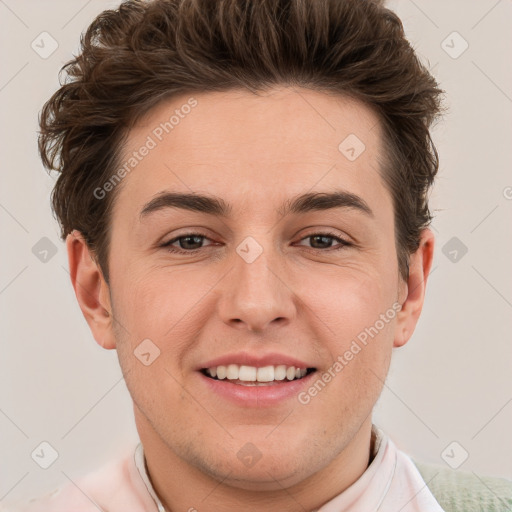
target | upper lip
[{"x": 258, "y": 360}]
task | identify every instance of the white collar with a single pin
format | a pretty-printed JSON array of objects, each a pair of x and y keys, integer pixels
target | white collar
[{"x": 140, "y": 463}]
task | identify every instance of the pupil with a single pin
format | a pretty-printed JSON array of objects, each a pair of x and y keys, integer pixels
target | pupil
[
  {"x": 326, "y": 239},
  {"x": 187, "y": 238}
]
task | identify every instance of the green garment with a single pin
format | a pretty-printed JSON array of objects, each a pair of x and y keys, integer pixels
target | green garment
[{"x": 460, "y": 491}]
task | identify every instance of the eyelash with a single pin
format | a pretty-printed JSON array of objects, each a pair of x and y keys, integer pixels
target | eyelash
[{"x": 169, "y": 248}]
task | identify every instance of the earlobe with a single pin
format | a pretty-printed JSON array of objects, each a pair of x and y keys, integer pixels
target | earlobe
[
  {"x": 91, "y": 290},
  {"x": 419, "y": 269}
]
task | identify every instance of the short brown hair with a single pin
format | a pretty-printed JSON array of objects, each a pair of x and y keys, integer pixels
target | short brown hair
[{"x": 134, "y": 57}]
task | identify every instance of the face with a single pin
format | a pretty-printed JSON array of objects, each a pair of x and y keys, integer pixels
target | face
[{"x": 253, "y": 280}]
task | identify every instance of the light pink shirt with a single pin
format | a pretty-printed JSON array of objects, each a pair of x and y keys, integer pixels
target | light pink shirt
[{"x": 390, "y": 483}]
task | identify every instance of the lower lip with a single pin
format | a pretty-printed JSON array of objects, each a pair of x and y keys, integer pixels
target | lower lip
[{"x": 257, "y": 396}]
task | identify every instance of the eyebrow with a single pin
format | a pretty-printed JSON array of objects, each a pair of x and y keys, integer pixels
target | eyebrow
[{"x": 212, "y": 205}]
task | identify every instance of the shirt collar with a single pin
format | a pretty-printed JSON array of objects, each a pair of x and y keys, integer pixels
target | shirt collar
[{"x": 140, "y": 463}]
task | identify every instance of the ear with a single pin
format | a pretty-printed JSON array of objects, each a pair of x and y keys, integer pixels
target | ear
[
  {"x": 413, "y": 291},
  {"x": 91, "y": 290}
]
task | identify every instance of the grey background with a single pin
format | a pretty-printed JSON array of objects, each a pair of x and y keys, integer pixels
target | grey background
[{"x": 451, "y": 383}]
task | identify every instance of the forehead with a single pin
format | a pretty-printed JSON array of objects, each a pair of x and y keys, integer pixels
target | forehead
[{"x": 258, "y": 148}]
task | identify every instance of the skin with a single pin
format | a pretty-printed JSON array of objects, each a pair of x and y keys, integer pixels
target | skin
[{"x": 298, "y": 298}]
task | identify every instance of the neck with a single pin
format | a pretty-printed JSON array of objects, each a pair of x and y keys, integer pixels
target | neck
[{"x": 181, "y": 485}]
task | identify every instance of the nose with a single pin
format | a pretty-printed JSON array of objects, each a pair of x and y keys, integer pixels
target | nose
[{"x": 256, "y": 295}]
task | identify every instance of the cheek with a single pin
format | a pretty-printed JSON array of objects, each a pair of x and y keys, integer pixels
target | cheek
[
  {"x": 354, "y": 319},
  {"x": 347, "y": 302},
  {"x": 165, "y": 306}
]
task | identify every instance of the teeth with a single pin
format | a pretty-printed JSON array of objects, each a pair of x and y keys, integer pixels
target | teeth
[
  {"x": 232, "y": 372},
  {"x": 247, "y": 373},
  {"x": 265, "y": 374},
  {"x": 253, "y": 374},
  {"x": 280, "y": 372}
]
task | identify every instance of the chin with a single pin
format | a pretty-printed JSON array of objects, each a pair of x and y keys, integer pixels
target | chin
[
  {"x": 264, "y": 466},
  {"x": 267, "y": 475}
]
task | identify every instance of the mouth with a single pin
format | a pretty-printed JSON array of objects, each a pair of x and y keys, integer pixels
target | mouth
[{"x": 243, "y": 375}]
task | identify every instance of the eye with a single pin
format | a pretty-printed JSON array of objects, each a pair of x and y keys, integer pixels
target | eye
[
  {"x": 188, "y": 243},
  {"x": 324, "y": 241}
]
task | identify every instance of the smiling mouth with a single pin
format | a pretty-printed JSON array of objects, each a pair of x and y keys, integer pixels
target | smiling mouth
[{"x": 256, "y": 376}]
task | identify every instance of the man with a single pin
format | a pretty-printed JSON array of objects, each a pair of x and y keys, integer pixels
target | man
[{"x": 243, "y": 194}]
